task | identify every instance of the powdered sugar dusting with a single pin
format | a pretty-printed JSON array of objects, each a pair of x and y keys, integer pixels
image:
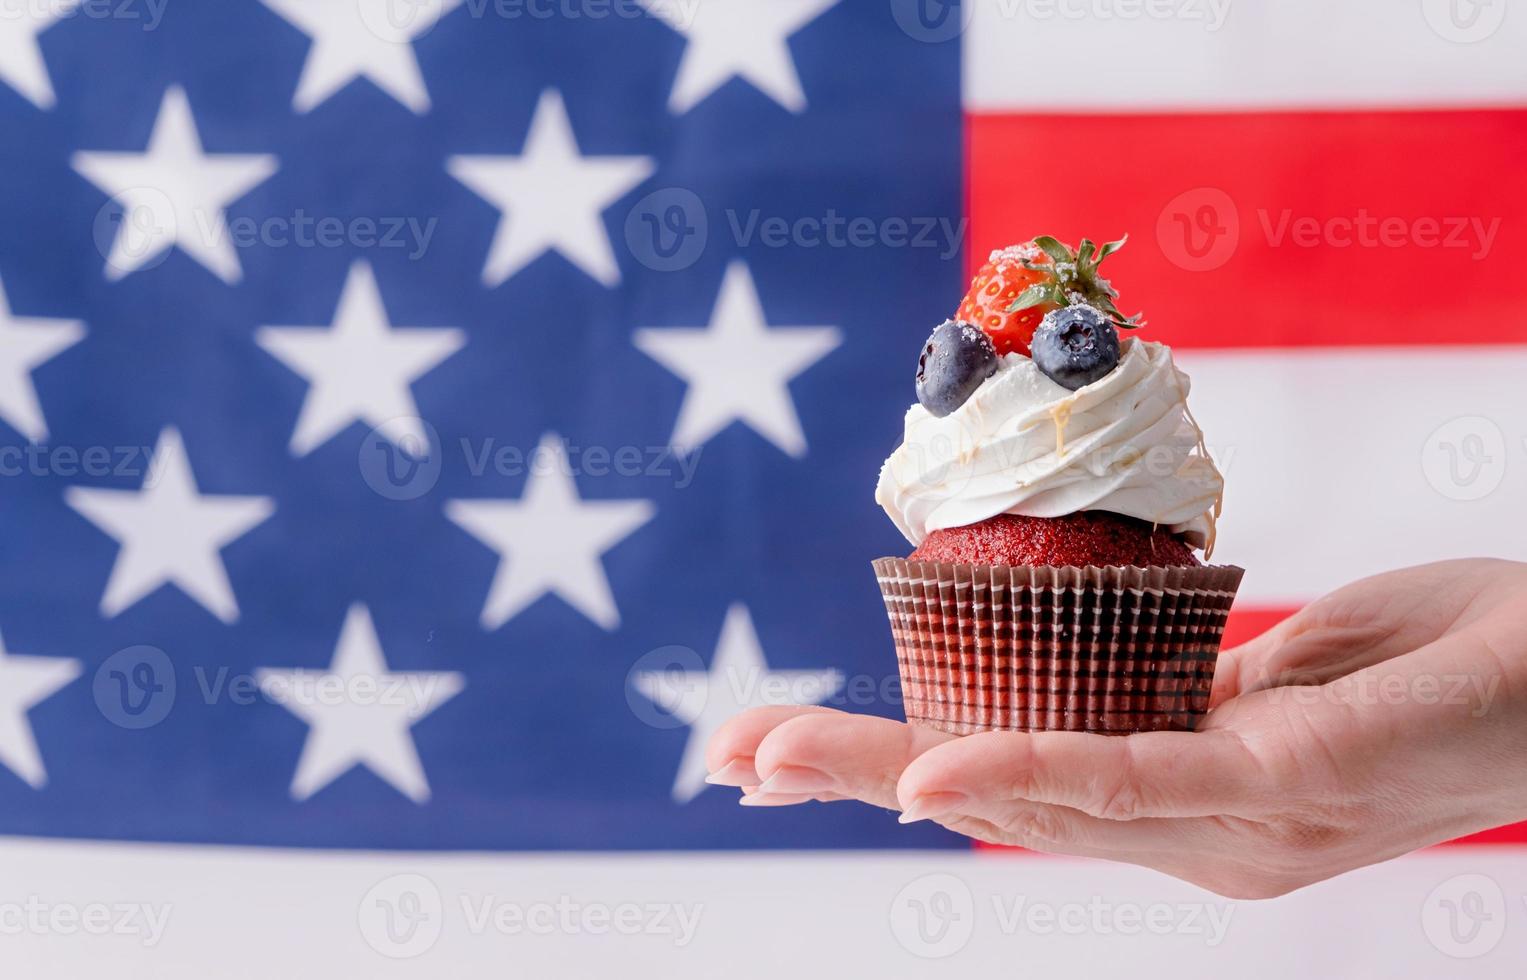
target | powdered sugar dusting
[
  {"x": 973, "y": 335},
  {"x": 1027, "y": 252}
]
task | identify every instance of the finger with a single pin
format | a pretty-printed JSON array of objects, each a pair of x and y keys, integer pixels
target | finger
[
  {"x": 1453, "y": 690},
  {"x": 753, "y": 797},
  {"x": 830, "y": 751},
  {"x": 1353, "y": 628},
  {"x": 1152, "y": 774},
  {"x": 1229, "y": 669},
  {"x": 1306, "y": 649},
  {"x": 729, "y": 756}
]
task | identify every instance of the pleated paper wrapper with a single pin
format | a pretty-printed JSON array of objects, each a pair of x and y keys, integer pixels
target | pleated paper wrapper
[{"x": 1035, "y": 648}]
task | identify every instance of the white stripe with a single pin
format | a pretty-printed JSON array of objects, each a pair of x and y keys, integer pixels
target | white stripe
[
  {"x": 305, "y": 916},
  {"x": 1336, "y": 465},
  {"x": 1047, "y": 55}
]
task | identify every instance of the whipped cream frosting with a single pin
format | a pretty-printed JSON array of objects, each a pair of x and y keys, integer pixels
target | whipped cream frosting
[{"x": 1023, "y": 444}]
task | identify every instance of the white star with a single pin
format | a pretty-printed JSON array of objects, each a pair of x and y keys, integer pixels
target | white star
[
  {"x": 26, "y": 342},
  {"x": 360, "y": 368},
  {"x": 551, "y": 196},
  {"x": 24, "y": 682},
  {"x": 173, "y": 193},
  {"x": 169, "y": 532},
  {"x": 737, "y": 39},
  {"x": 21, "y": 64},
  {"x": 739, "y": 679},
  {"x": 550, "y": 540},
  {"x": 738, "y": 368},
  {"x": 362, "y": 39},
  {"x": 359, "y": 713}
]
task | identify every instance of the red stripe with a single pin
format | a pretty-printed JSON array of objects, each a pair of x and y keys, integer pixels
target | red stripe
[
  {"x": 1248, "y": 624},
  {"x": 1103, "y": 175},
  {"x": 1514, "y": 834}
]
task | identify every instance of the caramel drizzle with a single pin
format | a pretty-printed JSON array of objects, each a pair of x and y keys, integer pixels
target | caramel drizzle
[{"x": 1203, "y": 451}]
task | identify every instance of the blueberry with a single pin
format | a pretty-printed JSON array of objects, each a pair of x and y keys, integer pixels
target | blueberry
[
  {"x": 1075, "y": 346},
  {"x": 956, "y": 359}
]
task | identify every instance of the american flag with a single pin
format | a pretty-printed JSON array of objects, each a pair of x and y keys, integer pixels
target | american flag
[{"x": 423, "y": 422}]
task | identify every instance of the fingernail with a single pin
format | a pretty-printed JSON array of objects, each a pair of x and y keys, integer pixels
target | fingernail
[
  {"x": 774, "y": 799},
  {"x": 797, "y": 779},
  {"x": 931, "y": 805},
  {"x": 737, "y": 772}
]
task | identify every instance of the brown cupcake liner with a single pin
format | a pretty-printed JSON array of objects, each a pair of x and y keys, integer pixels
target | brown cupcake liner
[{"x": 1035, "y": 648}]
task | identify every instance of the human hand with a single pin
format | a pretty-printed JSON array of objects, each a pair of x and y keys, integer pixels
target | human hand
[{"x": 1387, "y": 716}]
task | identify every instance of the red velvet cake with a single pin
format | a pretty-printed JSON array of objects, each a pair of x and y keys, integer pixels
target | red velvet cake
[{"x": 1090, "y": 538}]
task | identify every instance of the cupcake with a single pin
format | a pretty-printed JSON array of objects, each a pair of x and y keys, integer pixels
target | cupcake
[{"x": 1057, "y": 493}]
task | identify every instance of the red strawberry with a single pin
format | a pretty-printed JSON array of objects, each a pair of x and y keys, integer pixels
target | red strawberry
[
  {"x": 995, "y": 288},
  {"x": 1018, "y": 285}
]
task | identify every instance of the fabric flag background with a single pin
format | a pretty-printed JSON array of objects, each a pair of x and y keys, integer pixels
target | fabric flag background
[{"x": 423, "y": 421}]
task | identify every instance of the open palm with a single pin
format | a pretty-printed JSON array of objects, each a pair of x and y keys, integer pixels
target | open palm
[{"x": 1386, "y": 716}]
